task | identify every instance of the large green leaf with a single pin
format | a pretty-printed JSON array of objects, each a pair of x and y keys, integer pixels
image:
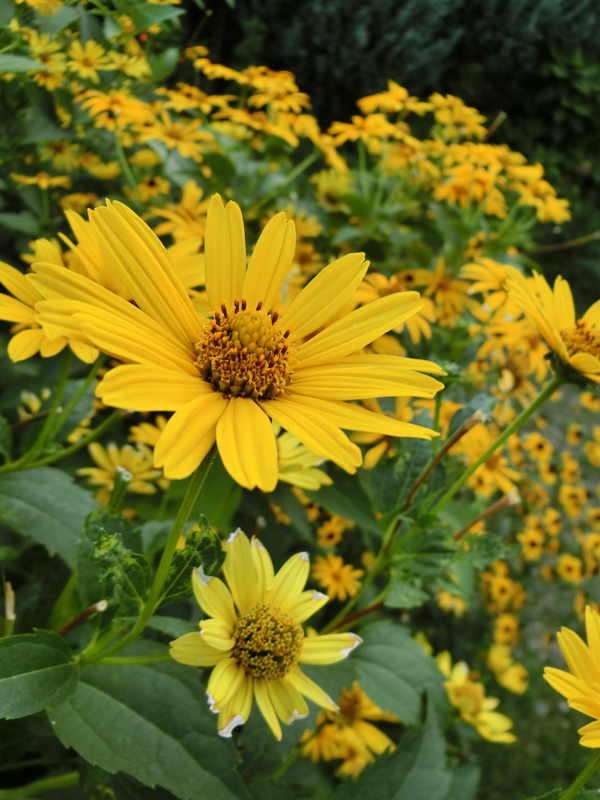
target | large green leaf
[
  {"x": 47, "y": 506},
  {"x": 415, "y": 771},
  {"x": 36, "y": 671},
  {"x": 11, "y": 62},
  {"x": 146, "y": 721}
]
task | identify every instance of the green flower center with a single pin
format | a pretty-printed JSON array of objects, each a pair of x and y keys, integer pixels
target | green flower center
[
  {"x": 244, "y": 353},
  {"x": 267, "y": 642}
]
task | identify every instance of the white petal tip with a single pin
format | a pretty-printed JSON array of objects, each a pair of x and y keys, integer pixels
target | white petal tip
[
  {"x": 211, "y": 703},
  {"x": 319, "y": 596},
  {"x": 233, "y": 723},
  {"x": 204, "y": 578},
  {"x": 347, "y": 650},
  {"x": 304, "y": 556},
  {"x": 296, "y": 715},
  {"x": 258, "y": 544},
  {"x": 233, "y": 536}
]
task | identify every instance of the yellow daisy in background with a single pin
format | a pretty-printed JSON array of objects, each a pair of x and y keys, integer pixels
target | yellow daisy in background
[
  {"x": 581, "y": 686},
  {"x": 228, "y": 377},
  {"x": 575, "y": 341},
  {"x": 135, "y": 461},
  {"x": 338, "y": 579},
  {"x": 254, "y": 640}
]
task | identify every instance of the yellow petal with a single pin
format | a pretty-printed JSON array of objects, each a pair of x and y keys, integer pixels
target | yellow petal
[
  {"x": 263, "y": 700},
  {"x": 578, "y": 657},
  {"x": 217, "y": 634},
  {"x": 13, "y": 310},
  {"x": 306, "y": 604},
  {"x": 220, "y": 678},
  {"x": 263, "y": 564},
  {"x": 18, "y": 285},
  {"x": 289, "y": 581},
  {"x": 288, "y": 703},
  {"x": 309, "y": 688},
  {"x": 329, "y": 648},
  {"x": 240, "y": 572},
  {"x": 191, "y": 649},
  {"x": 25, "y": 344},
  {"x": 213, "y": 597},
  {"x": 270, "y": 262},
  {"x": 325, "y": 295},
  {"x": 142, "y": 389},
  {"x": 225, "y": 253},
  {"x": 188, "y": 436},
  {"x": 237, "y": 709},
  {"x": 247, "y": 445}
]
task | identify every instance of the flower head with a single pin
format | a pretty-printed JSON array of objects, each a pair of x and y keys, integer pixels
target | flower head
[
  {"x": 254, "y": 638},
  {"x": 228, "y": 376}
]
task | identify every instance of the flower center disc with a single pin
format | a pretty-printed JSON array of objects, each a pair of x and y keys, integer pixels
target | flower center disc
[
  {"x": 244, "y": 353},
  {"x": 267, "y": 642},
  {"x": 583, "y": 338}
]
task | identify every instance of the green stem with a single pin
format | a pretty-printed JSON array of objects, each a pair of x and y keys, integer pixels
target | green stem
[
  {"x": 124, "y": 164},
  {"x": 435, "y": 443},
  {"x": 48, "y": 425},
  {"x": 151, "y": 659},
  {"x": 122, "y": 480},
  {"x": 193, "y": 490},
  {"x": 583, "y": 777},
  {"x": 85, "y": 440},
  {"x": 45, "y": 209},
  {"x": 518, "y": 423},
  {"x": 66, "y": 412},
  {"x": 550, "y": 248},
  {"x": 291, "y": 759},
  {"x": 68, "y": 780}
]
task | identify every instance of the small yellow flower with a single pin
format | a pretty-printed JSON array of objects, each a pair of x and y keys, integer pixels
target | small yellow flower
[
  {"x": 338, "y": 579},
  {"x": 136, "y": 461},
  {"x": 253, "y": 638}
]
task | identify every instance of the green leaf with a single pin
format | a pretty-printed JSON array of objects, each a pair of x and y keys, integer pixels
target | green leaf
[
  {"x": 223, "y": 170},
  {"x": 145, "y": 15},
  {"x": 147, "y": 722},
  {"x": 123, "y": 575},
  {"x": 46, "y": 505},
  {"x": 11, "y": 62},
  {"x": 36, "y": 671},
  {"x": 5, "y": 438},
  {"x": 164, "y": 64},
  {"x": 24, "y": 222},
  {"x": 415, "y": 771},
  {"x": 402, "y": 594},
  {"x": 346, "y": 497},
  {"x": 202, "y": 548},
  {"x": 465, "y": 782},
  {"x": 58, "y": 21},
  {"x": 484, "y": 403},
  {"x": 171, "y": 626},
  {"x": 89, "y": 571}
]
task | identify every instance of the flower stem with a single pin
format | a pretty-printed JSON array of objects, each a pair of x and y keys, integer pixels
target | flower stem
[
  {"x": 518, "y": 423},
  {"x": 583, "y": 777},
  {"x": 154, "y": 658},
  {"x": 124, "y": 164},
  {"x": 187, "y": 504},
  {"x": 65, "y": 781}
]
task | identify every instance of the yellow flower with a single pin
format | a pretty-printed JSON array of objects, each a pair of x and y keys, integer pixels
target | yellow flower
[
  {"x": 580, "y": 687},
  {"x": 254, "y": 640},
  {"x": 87, "y": 60},
  {"x": 575, "y": 342},
  {"x": 338, "y": 579},
  {"x": 468, "y": 697},
  {"x": 228, "y": 377},
  {"x": 137, "y": 461},
  {"x": 43, "y": 180},
  {"x": 297, "y": 464}
]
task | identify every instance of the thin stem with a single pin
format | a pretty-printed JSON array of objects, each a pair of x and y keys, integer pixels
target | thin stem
[
  {"x": 435, "y": 443},
  {"x": 583, "y": 777},
  {"x": 66, "y": 412},
  {"x": 362, "y": 612},
  {"x": 507, "y": 500},
  {"x": 9, "y": 606},
  {"x": 550, "y": 248},
  {"x": 193, "y": 490},
  {"x": 116, "y": 661},
  {"x": 82, "y": 616},
  {"x": 65, "y": 781},
  {"x": 124, "y": 164},
  {"x": 291, "y": 759},
  {"x": 518, "y": 423}
]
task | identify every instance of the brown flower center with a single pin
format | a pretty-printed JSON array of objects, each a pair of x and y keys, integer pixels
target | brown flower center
[
  {"x": 244, "y": 353},
  {"x": 583, "y": 338},
  {"x": 267, "y": 642}
]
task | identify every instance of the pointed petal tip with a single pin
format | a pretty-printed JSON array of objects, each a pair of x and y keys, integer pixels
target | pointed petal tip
[
  {"x": 296, "y": 715},
  {"x": 319, "y": 595},
  {"x": 202, "y": 576},
  {"x": 347, "y": 650},
  {"x": 211, "y": 703},
  {"x": 304, "y": 556}
]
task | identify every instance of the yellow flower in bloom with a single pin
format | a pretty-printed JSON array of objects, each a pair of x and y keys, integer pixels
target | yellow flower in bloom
[
  {"x": 137, "y": 461},
  {"x": 506, "y": 630},
  {"x": 254, "y": 640},
  {"x": 43, "y": 180},
  {"x": 29, "y": 338},
  {"x": 45, "y": 7},
  {"x": 87, "y": 60},
  {"x": 228, "y": 377},
  {"x": 468, "y": 697},
  {"x": 347, "y": 734},
  {"x": 581, "y": 685},
  {"x": 509, "y": 674},
  {"x": 338, "y": 579},
  {"x": 297, "y": 464},
  {"x": 576, "y": 342},
  {"x": 570, "y": 568}
]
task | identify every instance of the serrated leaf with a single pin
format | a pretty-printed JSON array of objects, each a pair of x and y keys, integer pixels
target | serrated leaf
[
  {"x": 36, "y": 671},
  {"x": 5, "y": 438},
  {"x": 46, "y": 505},
  {"x": 123, "y": 575},
  {"x": 146, "y": 722},
  {"x": 11, "y": 62},
  {"x": 402, "y": 594},
  {"x": 415, "y": 771},
  {"x": 202, "y": 549}
]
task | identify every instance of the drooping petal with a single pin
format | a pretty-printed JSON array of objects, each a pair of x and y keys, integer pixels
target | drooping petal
[
  {"x": 309, "y": 688},
  {"x": 218, "y": 688},
  {"x": 270, "y": 262},
  {"x": 25, "y": 344},
  {"x": 247, "y": 445},
  {"x": 237, "y": 709},
  {"x": 263, "y": 700},
  {"x": 188, "y": 436},
  {"x": 287, "y": 701},
  {"x": 225, "y": 252}
]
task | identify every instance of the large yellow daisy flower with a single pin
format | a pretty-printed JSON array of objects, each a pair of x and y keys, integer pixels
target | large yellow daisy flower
[
  {"x": 581, "y": 686},
  {"x": 254, "y": 640},
  {"x": 226, "y": 378},
  {"x": 575, "y": 341}
]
